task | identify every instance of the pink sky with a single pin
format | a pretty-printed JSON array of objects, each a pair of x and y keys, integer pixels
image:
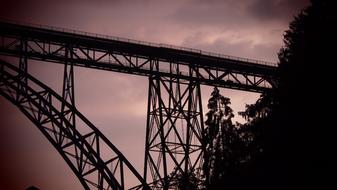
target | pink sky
[{"x": 116, "y": 103}]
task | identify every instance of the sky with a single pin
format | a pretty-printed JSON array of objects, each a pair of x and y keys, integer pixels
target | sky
[{"x": 116, "y": 103}]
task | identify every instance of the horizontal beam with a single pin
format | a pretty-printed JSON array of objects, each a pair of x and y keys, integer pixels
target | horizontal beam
[{"x": 118, "y": 55}]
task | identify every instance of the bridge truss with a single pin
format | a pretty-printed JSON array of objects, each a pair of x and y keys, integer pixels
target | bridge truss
[
  {"x": 174, "y": 131},
  {"x": 93, "y": 158}
]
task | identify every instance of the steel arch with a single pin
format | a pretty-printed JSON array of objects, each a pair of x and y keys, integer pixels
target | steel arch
[{"x": 92, "y": 157}]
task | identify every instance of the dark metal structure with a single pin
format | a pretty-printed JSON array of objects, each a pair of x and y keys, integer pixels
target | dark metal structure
[
  {"x": 93, "y": 158},
  {"x": 173, "y": 148},
  {"x": 174, "y": 131},
  {"x": 134, "y": 57}
]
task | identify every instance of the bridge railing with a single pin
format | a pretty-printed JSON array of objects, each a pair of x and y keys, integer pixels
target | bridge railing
[{"x": 192, "y": 50}]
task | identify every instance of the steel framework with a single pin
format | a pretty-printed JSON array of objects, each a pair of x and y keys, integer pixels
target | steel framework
[
  {"x": 174, "y": 131},
  {"x": 93, "y": 158},
  {"x": 134, "y": 57},
  {"x": 174, "y": 148}
]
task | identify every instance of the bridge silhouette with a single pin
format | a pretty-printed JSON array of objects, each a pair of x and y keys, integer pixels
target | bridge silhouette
[{"x": 174, "y": 96}]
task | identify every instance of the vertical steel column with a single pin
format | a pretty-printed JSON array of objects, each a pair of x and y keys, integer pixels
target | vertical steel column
[
  {"x": 156, "y": 164},
  {"x": 68, "y": 91},
  {"x": 22, "y": 65},
  {"x": 68, "y": 77},
  {"x": 173, "y": 149},
  {"x": 23, "y": 57}
]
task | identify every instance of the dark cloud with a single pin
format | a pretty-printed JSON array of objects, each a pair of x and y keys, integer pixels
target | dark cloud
[
  {"x": 270, "y": 10},
  {"x": 231, "y": 13},
  {"x": 251, "y": 28},
  {"x": 246, "y": 48},
  {"x": 216, "y": 13}
]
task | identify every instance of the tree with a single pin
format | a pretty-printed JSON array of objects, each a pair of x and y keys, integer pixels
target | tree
[
  {"x": 292, "y": 127},
  {"x": 295, "y": 132},
  {"x": 186, "y": 181},
  {"x": 262, "y": 108},
  {"x": 224, "y": 144},
  {"x": 306, "y": 87}
]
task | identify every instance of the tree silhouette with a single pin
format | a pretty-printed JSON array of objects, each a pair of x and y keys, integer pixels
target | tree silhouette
[
  {"x": 262, "y": 108},
  {"x": 305, "y": 90},
  {"x": 32, "y": 188},
  {"x": 288, "y": 140},
  {"x": 186, "y": 181},
  {"x": 292, "y": 125},
  {"x": 226, "y": 145}
]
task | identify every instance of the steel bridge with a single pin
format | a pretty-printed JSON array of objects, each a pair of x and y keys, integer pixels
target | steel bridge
[{"x": 175, "y": 75}]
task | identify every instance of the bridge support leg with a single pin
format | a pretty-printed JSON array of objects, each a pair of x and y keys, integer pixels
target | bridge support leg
[
  {"x": 173, "y": 149},
  {"x": 22, "y": 66},
  {"x": 68, "y": 91},
  {"x": 68, "y": 78}
]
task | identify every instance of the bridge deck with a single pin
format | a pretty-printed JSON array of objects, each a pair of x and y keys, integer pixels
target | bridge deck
[{"x": 135, "y": 57}]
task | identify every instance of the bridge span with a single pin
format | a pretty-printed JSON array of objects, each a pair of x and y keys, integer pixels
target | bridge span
[
  {"x": 136, "y": 57},
  {"x": 174, "y": 144}
]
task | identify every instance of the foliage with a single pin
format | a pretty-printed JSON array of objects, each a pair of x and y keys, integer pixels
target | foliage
[
  {"x": 186, "y": 181},
  {"x": 291, "y": 126},
  {"x": 227, "y": 145},
  {"x": 262, "y": 108},
  {"x": 306, "y": 87},
  {"x": 287, "y": 141}
]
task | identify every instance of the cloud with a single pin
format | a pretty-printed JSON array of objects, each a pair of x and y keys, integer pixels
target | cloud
[
  {"x": 233, "y": 13},
  {"x": 173, "y": 22},
  {"x": 271, "y": 10},
  {"x": 259, "y": 44},
  {"x": 209, "y": 13},
  {"x": 242, "y": 28}
]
